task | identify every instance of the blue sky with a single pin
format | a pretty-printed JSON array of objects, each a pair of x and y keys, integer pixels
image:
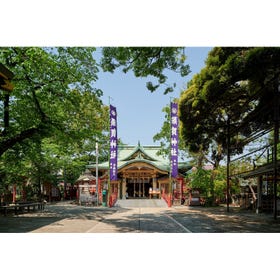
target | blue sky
[{"x": 140, "y": 114}]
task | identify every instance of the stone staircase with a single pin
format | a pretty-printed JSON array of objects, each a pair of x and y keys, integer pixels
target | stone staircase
[{"x": 141, "y": 203}]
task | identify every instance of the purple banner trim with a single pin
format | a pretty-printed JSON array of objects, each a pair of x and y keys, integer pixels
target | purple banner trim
[
  {"x": 174, "y": 139},
  {"x": 113, "y": 144}
]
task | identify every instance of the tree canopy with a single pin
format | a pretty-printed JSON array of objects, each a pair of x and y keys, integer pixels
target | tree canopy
[
  {"x": 54, "y": 113},
  {"x": 49, "y": 81},
  {"x": 164, "y": 136},
  {"x": 236, "y": 88},
  {"x": 145, "y": 62},
  {"x": 48, "y": 87}
]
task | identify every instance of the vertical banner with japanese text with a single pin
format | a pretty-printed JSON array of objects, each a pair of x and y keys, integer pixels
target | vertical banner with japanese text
[
  {"x": 174, "y": 140},
  {"x": 113, "y": 144}
]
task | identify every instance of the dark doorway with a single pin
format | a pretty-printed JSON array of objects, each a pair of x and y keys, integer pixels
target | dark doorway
[{"x": 138, "y": 190}]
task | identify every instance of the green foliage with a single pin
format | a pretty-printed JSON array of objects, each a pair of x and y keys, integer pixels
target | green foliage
[
  {"x": 44, "y": 89},
  {"x": 212, "y": 183},
  {"x": 147, "y": 61},
  {"x": 201, "y": 179},
  {"x": 219, "y": 181},
  {"x": 164, "y": 136},
  {"x": 236, "y": 84},
  {"x": 52, "y": 118},
  {"x": 53, "y": 115}
]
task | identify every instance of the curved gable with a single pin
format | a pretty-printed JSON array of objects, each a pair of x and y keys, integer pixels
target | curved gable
[
  {"x": 143, "y": 165},
  {"x": 138, "y": 153}
]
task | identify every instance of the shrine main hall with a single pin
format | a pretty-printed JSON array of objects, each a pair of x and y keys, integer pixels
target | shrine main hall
[{"x": 142, "y": 171}]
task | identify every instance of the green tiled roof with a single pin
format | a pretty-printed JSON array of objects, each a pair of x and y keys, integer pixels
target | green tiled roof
[{"x": 146, "y": 154}]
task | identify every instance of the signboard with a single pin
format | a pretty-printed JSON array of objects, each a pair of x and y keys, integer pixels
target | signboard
[
  {"x": 113, "y": 144},
  {"x": 174, "y": 140}
]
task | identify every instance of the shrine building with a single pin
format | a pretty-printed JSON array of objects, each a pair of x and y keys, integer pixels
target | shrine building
[{"x": 142, "y": 173}]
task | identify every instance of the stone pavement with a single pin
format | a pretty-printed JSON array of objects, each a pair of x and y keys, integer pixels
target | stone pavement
[
  {"x": 138, "y": 217},
  {"x": 218, "y": 220}
]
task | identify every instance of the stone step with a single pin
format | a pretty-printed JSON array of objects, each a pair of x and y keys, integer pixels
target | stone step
[{"x": 141, "y": 203}]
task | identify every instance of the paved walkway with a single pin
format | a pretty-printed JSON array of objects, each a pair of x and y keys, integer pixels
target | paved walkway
[
  {"x": 142, "y": 203},
  {"x": 218, "y": 220},
  {"x": 138, "y": 216}
]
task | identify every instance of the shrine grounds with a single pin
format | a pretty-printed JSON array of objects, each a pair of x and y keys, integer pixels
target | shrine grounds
[{"x": 67, "y": 217}]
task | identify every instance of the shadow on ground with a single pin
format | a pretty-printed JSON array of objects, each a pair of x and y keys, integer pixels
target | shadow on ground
[
  {"x": 218, "y": 220},
  {"x": 142, "y": 220},
  {"x": 52, "y": 215}
]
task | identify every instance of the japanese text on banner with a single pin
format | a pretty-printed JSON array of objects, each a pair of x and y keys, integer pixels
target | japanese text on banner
[
  {"x": 174, "y": 140},
  {"x": 113, "y": 144}
]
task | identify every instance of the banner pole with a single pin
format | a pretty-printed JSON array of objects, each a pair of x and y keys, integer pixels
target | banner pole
[{"x": 113, "y": 161}]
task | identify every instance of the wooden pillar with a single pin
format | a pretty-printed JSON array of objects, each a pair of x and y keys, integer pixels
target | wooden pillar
[
  {"x": 134, "y": 187},
  {"x": 140, "y": 186},
  {"x": 154, "y": 182},
  {"x": 143, "y": 186},
  {"x": 124, "y": 188},
  {"x": 119, "y": 188}
]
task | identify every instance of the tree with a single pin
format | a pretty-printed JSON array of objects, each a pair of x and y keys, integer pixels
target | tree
[
  {"x": 200, "y": 179},
  {"x": 53, "y": 115},
  {"x": 164, "y": 136},
  {"x": 233, "y": 97},
  {"x": 44, "y": 81},
  {"x": 147, "y": 61},
  {"x": 234, "y": 92}
]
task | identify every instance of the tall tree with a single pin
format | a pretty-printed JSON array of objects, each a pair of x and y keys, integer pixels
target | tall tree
[
  {"x": 234, "y": 91},
  {"x": 54, "y": 113},
  {"x": 164, "y": 136},
  {"x": 45, "y": 79}
]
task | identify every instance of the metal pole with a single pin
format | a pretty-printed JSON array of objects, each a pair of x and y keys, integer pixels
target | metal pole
[
  {"x": 276, "y": 140},
  {"x": 96, "y": 176},
  {"x": 228, "y": 160}
]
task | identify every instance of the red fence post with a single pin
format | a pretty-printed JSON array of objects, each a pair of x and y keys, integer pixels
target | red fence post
[{"x": 169, "y": 201}]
